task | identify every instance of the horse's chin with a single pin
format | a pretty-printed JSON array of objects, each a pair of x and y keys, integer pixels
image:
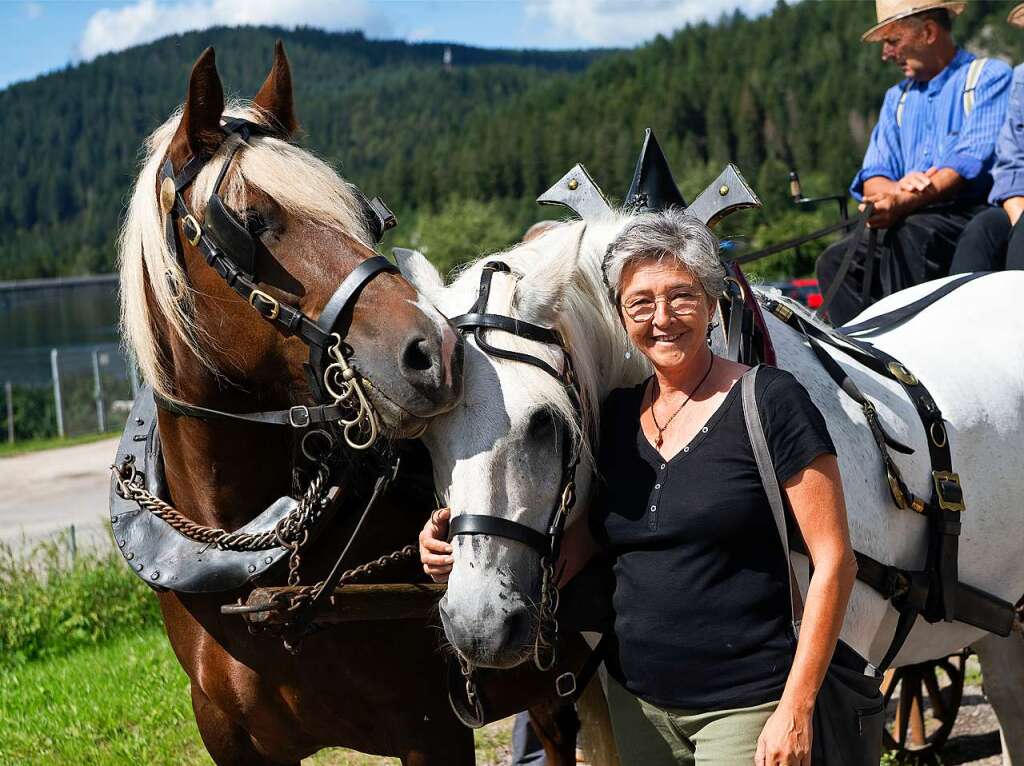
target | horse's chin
[
  {"x": 506, "y": 660},
  {"x": 396, "y": 422}
]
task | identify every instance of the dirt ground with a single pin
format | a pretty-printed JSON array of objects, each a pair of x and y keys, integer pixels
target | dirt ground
[{"x": 42, "y": 493}]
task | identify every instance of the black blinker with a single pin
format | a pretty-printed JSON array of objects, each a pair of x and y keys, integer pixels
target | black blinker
[{"x": 230, "y": 235}]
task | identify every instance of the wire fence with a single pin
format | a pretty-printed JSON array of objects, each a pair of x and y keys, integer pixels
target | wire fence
[{"x": 67, "y": 391}]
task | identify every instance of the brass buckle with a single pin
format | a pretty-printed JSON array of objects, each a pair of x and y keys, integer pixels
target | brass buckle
[
  {"x": 193, "y": 240},
  {"x": 898, "y": 495},
  {"x": 275, "y": 307},
  {"x": 902, "y": 374},
  {"x": 953, "y": 478},
  {"x": 782, "y": 312},
  {"x": 940, "y": 439}
]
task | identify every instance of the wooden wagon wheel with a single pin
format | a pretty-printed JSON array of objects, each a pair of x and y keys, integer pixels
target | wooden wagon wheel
[{"x": 927, "y": 700}]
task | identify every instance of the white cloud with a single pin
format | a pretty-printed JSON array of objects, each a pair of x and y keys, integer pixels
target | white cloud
[
  {"x": 628, "y": 22},
  {"x": 113, "y": 29}
]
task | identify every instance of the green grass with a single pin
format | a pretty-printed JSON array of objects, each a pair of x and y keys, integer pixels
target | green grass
[
  {"x": 87, "y": 676},
  {"x": 7, "y": 449},
  {"x": 127, "y": 701}
]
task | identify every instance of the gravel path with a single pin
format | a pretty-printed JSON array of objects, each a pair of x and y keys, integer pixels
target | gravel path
[
  {"x": 975, "y": 737},
  {"x": 42, "y": 493}
]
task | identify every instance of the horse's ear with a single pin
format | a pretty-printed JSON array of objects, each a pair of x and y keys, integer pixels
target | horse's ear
[
  {"x": 541, "y": 291},
  {"x": 199, "y": 132},
  {"x": 418, "y": 271},
  {"x": 275, "y": 97}
]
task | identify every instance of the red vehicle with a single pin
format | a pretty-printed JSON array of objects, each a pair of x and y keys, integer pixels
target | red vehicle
[{"x": 804, "y": 290}]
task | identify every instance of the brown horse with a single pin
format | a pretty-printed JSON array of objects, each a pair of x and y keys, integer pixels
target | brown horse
[{"x": 377, "y": 687}]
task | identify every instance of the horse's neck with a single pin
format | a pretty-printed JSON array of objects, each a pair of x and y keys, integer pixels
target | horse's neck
[{"x": 223, "y": 474}]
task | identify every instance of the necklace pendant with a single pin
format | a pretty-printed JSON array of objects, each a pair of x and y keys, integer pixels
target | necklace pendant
[{"x": 659, "y": 441}]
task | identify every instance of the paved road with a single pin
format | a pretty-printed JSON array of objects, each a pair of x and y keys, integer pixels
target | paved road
[{"x": 44, "y": 492}]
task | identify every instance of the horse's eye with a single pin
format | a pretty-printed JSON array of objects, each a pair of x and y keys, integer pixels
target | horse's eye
[
  {"x": 541, "y": 425},
  {"x": 255, "y": 223}
]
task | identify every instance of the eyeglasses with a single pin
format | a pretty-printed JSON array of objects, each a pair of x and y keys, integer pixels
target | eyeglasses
[{"x": 680, "y": 304}]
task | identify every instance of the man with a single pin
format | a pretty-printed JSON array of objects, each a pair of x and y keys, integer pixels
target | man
[
  {"x": 994, "y": 239},
  {"x": 926, "y": 170}
]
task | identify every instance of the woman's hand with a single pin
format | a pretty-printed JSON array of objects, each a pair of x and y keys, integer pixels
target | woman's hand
[
  {"x": 785, "y": 739},
  {"x": 435, "y": 550}
]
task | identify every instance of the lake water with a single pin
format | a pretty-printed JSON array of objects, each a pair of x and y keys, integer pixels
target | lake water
[{"x": 75, "y": 317}]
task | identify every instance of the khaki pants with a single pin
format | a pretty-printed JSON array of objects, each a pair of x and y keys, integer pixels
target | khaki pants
[{"x": 647, "y": 735}]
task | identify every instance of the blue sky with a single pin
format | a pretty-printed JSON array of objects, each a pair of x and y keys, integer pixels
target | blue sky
[{"x": 40, "y": 36}]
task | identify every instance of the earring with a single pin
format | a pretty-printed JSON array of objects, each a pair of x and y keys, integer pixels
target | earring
[
  {"x": 711, "y": 326},
  {"x": 628, "y": 355}
]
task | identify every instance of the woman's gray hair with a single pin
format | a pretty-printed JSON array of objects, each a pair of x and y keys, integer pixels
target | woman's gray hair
[{"x": 667, "y": 233}]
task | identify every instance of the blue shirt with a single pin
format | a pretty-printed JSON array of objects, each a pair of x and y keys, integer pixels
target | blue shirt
[
  {"x": 1008, "y": 172},
  {"x": 934, "y": 132}
]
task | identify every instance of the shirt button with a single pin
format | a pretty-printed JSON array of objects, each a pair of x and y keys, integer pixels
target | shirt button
[
  {"x": 686, "y": 449},
  {"x": 654, "y": 507},
  {"x": 657, "y": 486},
  {"x": 704, "y": 429},
  {"x": 662, "y": 466}
]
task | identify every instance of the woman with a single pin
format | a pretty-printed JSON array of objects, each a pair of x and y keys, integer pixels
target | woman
[{"x": 702, "y": 623}]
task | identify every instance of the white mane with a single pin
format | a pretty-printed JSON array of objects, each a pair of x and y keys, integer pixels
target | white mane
[
  {"x": 587, "y": 320},
  {"x": 300, "y": 183}
]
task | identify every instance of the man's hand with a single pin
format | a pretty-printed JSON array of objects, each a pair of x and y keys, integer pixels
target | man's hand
[
  {"x": 1014, "y": 206},
  {"x": 435, "y": 550},
  {"x": 890, "y": 209},
  {"x": 916, "y": 181}
]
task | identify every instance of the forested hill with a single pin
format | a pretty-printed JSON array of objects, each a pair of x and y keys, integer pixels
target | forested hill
[{"x": 461, "y": 154}]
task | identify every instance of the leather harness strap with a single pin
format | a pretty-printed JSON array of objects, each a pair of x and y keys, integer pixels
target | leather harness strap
[
  {"x": 935, "y": 592},
  {"x": 480, "y": 524},
  {"x": 890, "y": 319},
  {"x": 230, "y": 250}
]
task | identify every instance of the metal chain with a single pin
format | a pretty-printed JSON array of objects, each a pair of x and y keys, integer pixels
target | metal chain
[
  {"x": 545, "y": 645},
  {"x": 467, "y": 673},
  {"x": 291, "y": 532},
  {"x": 298, "y": 599}
]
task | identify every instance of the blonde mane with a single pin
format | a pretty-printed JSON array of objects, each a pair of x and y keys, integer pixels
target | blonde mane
[
  {"x": 302, "y": 184},
  {"x": 602, "y": 356}
]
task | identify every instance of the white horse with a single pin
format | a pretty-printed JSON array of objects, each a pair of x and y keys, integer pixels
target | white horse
[{"x": 494, "y": 454}]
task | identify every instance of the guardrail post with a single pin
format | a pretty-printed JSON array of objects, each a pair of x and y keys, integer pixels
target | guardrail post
[
  {"x": 9, "y": 396},
  {"x": 55, "y": 372},
  {"x": 72, "y": 543},
  {"x": 133, "y": 375},
  {"x": 101, "y": 417}
]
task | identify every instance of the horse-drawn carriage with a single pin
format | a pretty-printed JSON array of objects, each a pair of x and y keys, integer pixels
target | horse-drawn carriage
[{"x": 209, "y": 500}]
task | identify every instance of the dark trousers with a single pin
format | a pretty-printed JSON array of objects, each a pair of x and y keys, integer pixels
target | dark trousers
[
  {"x": 989, "y": 243},
  {"x": 918, "y": 248}
]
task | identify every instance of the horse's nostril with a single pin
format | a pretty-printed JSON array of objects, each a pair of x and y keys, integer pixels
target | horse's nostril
[{"x": 417, "y": 355}]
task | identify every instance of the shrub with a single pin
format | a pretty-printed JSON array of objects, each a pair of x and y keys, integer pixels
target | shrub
[{"x": 51, "y": 604}]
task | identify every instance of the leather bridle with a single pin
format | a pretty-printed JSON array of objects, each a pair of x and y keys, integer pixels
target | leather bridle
[
  {"x": 229, "y": 247},
  {"x": 545, "y": 542}
]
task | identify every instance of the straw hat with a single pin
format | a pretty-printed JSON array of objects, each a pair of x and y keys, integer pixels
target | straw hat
[
  {"x": 889, "y": 11},
  {"x": 1016, "y": 16}
]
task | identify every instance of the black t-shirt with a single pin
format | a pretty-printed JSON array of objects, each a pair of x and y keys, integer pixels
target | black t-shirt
[{"x": 702, "y": 619}]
